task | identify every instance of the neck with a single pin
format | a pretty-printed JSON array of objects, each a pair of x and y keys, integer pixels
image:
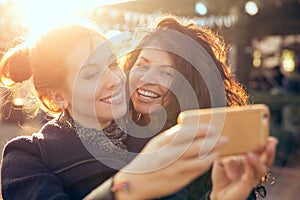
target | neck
[
  {"x": 90, "y": 122},
  {"x": 154, "y": 121}
]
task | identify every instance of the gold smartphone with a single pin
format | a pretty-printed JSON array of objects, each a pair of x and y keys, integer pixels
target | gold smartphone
[{"x": 246, "y": 127}]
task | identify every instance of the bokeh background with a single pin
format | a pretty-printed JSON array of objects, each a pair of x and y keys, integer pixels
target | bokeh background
[{"x": 264, "y": 39}]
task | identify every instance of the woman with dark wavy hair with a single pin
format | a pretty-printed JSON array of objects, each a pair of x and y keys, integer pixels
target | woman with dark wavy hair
[{"x": 176, "y": 67}]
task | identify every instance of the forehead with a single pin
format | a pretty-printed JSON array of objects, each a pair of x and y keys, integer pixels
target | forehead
[
  {"x": 94, "y": 48},
  {"x": 155, "y": 56}
]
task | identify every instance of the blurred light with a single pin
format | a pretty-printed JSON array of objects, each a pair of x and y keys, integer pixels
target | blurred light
[
  {"x": 118, "y": 39},
  {"x": 3, "y": 1},
  {"x": 7, "y": 81},
  {"x": 288, "y": 61},
  {"x": 200, "y": 8},
  {"x": 271, "y": 62},
  {"x": 114, "y": 13},
  {"x": 47, "y": 13},
  {"x": 256, "y": 62},
  {"x": 257, "y": 54},
  {"x": 19, "y": 102},
  {"x": 251, "y": 8},
  {"x": 256, "y": 58}
]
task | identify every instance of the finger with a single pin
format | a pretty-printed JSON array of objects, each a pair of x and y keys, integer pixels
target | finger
[
  {"x": 233, "y": 166},
  {"x": 188, "y": 169},
  {"x": 269, "y": 156},
  {"x": 218, "y": 172},
  {"x": 259, "y": 167},
  {"x": 183, "y": 133},
  {"x": 201, "y": 147},
  {"x": 211, "y": 143},
  {"x": 199, "y": 165},
  {"x": 249, "y": 175}
]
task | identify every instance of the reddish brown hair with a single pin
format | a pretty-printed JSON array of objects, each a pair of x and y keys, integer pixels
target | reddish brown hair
[{"x": 44, "y": 61}]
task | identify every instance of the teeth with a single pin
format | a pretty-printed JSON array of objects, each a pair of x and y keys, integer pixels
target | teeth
[
  {"x": 113, "y": 99},
  {"x": 147, "y": 93}
]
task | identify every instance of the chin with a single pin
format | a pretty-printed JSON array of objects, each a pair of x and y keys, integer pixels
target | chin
[
  {"x": 145, "y": 110},
  {"x": 140, "y": 108},
  {"x": 119, "y": 112}
]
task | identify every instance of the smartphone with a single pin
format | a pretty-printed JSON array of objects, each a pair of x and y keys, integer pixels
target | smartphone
[{"x": 246, "y": 127}]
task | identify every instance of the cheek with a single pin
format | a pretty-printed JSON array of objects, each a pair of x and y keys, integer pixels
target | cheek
[
  {"x": 169, "y": 98},
  {"x": 84, "y": 100},
  {"x": 132, "y": 81},
  {"x": 85, "y": 96},
  {"x": 165, "y": 91}
]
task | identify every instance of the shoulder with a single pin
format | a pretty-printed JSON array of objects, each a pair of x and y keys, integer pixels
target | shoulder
[
  {"x": 50, "y": 146},
  {"x": 20, "y": 143},
  {"x": 31, "y": 143}
]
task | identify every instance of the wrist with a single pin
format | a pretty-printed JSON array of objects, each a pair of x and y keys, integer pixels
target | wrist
[{"x": 123, "y": 187}]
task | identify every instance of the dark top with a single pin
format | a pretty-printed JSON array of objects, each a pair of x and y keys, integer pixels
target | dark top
[{"x": 53, "y": 164}]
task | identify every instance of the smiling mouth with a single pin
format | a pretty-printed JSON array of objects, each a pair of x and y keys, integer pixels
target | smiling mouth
[
  {"x": 114, "y": 99},
  {"x": 147, "y": 94}
]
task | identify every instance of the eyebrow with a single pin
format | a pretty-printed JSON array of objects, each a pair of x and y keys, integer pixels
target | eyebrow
[
  {"x": 87, "y": 66},
  {"x": 112, "y": 58},
  {"x": 148, "y": 61}
]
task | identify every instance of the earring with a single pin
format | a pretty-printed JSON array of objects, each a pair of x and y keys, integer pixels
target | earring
[{"x": 65, "y": 120}]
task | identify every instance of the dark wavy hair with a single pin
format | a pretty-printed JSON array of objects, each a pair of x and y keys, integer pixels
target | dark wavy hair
[{"x": 214, "y": 46}]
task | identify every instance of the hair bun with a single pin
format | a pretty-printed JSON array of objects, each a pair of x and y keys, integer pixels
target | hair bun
[{"x": 19, "y": 66}]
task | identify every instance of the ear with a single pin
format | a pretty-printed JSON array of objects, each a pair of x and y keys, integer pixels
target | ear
[{"x": 59, "y": 98}]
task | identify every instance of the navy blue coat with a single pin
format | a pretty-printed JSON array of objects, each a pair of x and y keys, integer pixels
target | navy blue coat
[{"x": 53, "y": 164}]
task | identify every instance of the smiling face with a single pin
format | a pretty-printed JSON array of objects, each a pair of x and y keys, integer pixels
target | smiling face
[
  {"x": 95, "y": 84},
  {"x": 150, "y": 79}
]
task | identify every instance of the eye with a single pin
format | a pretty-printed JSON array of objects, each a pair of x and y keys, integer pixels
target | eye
[
  {"x": 142, "y": 67},
  {"x": 91, "y": 74},
  {"x": 94, "y": 75},
  {"x": 166, "y": 73}
]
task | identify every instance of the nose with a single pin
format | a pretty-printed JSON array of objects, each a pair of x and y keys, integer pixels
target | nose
[
  {"x": 149, "y": 76},
  {"x": 113, "y": 79}
]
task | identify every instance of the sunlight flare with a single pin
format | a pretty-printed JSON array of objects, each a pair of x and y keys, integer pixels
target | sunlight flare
[{"x": 37, "y": 14}]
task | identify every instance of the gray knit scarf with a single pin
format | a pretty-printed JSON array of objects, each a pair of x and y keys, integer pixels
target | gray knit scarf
[{"x": 107, "y": 143}]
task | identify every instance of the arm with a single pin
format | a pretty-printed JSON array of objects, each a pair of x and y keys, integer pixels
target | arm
[
  {"x": 25, "y": 177},
  {"x": 168, "y": 163}
]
